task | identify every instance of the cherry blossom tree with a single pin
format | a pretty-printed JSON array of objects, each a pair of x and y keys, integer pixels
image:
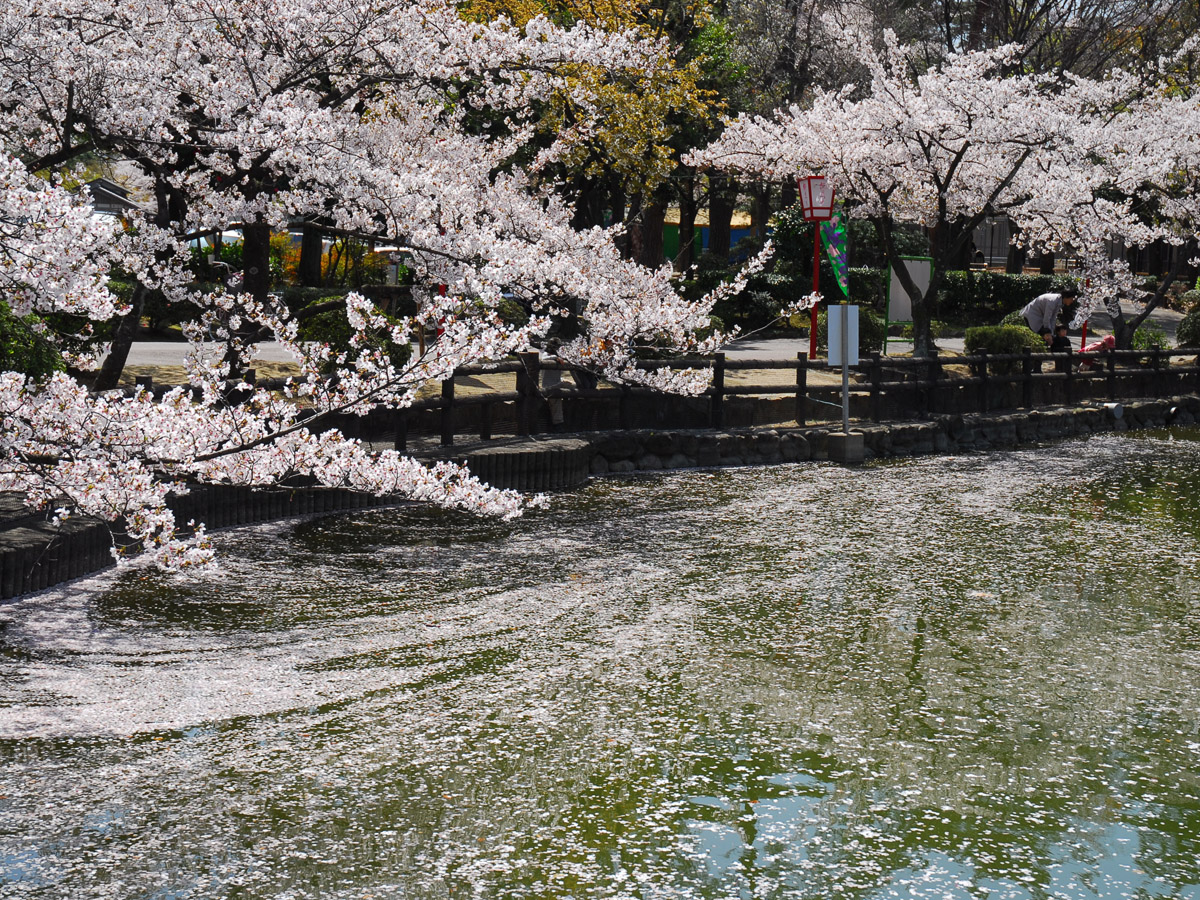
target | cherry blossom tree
[
  {"x": 1133, "y": 179},
  {"x": 942, "y": 149},
  {"x": 397, "y": 119}
]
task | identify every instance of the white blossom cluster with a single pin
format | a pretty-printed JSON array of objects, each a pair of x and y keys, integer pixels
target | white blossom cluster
[
  {"x": 366, "y": 113},
  {"x": 1075, "y": 163}
]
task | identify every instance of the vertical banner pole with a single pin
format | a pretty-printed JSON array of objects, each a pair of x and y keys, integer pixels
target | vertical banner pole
[
  {"x": 812, "y": 324},
  {"x": 845, "y": 369}
]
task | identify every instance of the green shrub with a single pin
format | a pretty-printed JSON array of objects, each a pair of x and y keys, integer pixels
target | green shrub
[
  {"x": 1002, "y": 340},
  {"x": 937, "y": 329},
  {"x": 1190, "y": 299},
  {"x": 1188, "y": 334},
  {"x": 752, "y": 308},
  {"x": 295, "y": 298},
  {"x": 333, "y": 328},
  {"x": 871, "y": 330},
  {"x": 868, "y": 288},
  {"x": 1148, "y": 336},
  {"x": 23, "y": 349},
  {"x": 1015, "y": 318},
  {"x": 977, "y": 298}
]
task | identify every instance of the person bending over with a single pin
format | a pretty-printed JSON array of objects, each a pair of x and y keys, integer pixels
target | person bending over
[{"x": 1041, "y": 313}]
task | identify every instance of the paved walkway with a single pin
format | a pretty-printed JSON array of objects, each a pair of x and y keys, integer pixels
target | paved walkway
[{"x": 150, "y": 357}]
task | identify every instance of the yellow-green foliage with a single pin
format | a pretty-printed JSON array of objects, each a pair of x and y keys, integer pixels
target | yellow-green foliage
[{"x": 633, "y": 114}]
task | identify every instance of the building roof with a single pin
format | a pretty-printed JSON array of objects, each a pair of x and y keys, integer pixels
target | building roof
[{"x": 110, "y": 198}]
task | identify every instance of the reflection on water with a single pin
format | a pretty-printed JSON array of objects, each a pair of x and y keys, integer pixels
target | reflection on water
[{"x": 972, "y": 677}]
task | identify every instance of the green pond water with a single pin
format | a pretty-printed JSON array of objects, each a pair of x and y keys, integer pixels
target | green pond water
[{"x": 964, "y": 677}]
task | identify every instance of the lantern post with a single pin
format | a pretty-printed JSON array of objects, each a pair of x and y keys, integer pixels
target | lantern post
[{"x": 816, "y": 203}]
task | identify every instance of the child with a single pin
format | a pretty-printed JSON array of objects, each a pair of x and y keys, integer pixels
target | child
[
  {"x": 1061, "y": 343},
  {"x": 1105, "y": 343}
]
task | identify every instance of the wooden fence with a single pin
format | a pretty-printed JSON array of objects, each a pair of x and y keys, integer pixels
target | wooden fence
[{"x": 883, "y": 388}]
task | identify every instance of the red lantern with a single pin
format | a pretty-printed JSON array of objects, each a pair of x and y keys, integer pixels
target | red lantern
[{"x": 816, "y": 198}]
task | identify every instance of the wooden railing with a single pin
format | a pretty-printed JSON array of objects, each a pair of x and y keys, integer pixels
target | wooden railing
[{"x": 884, "y": 388}]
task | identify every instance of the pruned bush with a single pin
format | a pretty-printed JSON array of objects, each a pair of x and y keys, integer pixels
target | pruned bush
[
  {"x": 1188, "y": 334},
  {"x": 977, "y": 297},
  {"x": 1148, "y": 336},
  {"x": 332, "y": 327},
  {"x": 23, "y": 349},
  {"x": 1002, "y": 340},
  {"x": 871, "y": 330},
  {"x": 1015, "y": 318}
]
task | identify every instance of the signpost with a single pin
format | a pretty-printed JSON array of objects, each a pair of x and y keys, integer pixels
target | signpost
[{"x": 843, "y": 350}]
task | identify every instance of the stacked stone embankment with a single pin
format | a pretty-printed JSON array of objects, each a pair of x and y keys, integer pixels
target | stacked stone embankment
[{"x": 35, "y": 554}]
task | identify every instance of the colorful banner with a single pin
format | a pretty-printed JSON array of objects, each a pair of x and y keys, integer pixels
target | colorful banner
[{"x": 834, "y": 234}]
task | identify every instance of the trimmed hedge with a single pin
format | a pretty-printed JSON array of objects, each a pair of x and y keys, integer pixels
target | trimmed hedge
[
  {"x": 1188, "y": 333},
  {"x": 985, "y": 297},
  {"x": 332, "y": 327},
  {"x": 1002, "y": 340}
]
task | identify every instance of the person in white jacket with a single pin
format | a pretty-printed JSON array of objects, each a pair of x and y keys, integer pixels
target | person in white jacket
[{"x": 1041, "y": 313}]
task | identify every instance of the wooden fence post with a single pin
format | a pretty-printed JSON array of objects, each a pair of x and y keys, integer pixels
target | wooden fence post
[
  {"x": 876, "y": 390},
  {"x": 935, "y": 373},
  {"x": 1027, "y": 378},
  {"x": 1070, "y": 383},
  {"x": 1110, "y": 375},
  {"x": 801, "y": 389},
  {"x": 1156, "y": 365},
  {"x": 982, "y": 369},
  {"x": 624, "y": 413},
  {"x": 401, "y": 440},
  {"x": 716, "y": 410},
  {"x": 527, "y": 387},
  {"x": 485, "y": 422},
  {"x": 447, "y": 412}
]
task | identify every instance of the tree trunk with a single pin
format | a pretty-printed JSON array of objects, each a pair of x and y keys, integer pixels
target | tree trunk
[
  {"x": 169, "y": 208},
  {"x": 633, "y": 246},
  {"x": 787, "y": 194},
  {"x": 651, "y": 228},
  {"x": 979, "y": 17},
  {"x": 589, "y": 205},
  {"x": 687, "y": 224},
  {"x": 1046, "y": 263},
  {"x": 618, "y": 215},
  {"x": 256, "y": 261},
  {"x": 942, "y": 245},
  {"x": 762, "y": 210},
  {"x": 1124, "y": 329},
  {"x": 312, "y": 245},
  {"x": 109, "y": 375},
  {"x": 1015, "y": 263},
  {"x": 722, "y": 195}
]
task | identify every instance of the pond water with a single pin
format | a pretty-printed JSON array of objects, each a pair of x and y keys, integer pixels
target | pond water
[{"x": 965, "y": 677}]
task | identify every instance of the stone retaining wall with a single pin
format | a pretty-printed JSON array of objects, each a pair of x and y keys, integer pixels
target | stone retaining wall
[
  {"x": 34, "y": 555},
  {"x": 647, "y": 451}
]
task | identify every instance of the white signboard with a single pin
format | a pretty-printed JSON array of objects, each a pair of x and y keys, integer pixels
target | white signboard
[
  {"x": 920, "y": 269},
  {"x": 835, "y": 317}
]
